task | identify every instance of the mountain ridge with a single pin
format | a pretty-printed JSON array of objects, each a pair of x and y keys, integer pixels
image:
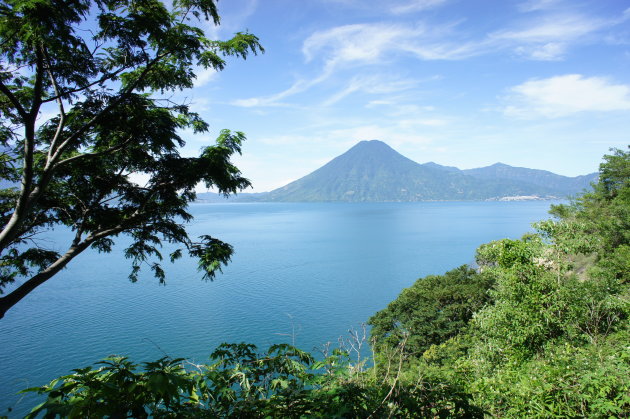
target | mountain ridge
[{"x": 372, "y": 171}]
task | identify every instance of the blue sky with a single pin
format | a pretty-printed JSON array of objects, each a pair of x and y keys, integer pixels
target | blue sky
[{"x": 543, "y": 84}]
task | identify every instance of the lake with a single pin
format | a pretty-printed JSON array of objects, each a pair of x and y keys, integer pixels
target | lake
[{"x": 302, "y": 272}]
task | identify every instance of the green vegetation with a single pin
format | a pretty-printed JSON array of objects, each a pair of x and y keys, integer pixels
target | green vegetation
[
  {"x": 433, "y": 310},
  {"x": 540, "y": 329},
  {"x": 108, "y": 68}
]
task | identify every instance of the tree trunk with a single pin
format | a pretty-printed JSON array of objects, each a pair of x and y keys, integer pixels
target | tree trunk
[{"x": 23, "y": 290}]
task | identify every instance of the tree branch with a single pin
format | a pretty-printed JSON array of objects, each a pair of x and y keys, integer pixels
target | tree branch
[
  {"x": 16, "y": 103},
  {"x": 23, "y": 290},
  {"x": 38, "y": 85},
  {"x": 27, "y": 198},
  {"x": 90, "y": 155},
  {"x": 61, "y": 94},
  {"x": 23, "y": 204},
  {"x": 121, "y": 96},
  {"x": 62, "y": 111}
]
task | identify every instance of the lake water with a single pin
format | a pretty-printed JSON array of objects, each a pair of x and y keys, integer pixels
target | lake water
[{"x": 303, "y": 273}]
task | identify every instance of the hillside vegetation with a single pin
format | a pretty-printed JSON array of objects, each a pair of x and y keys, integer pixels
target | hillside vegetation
[{"x": 540, "y": 329}]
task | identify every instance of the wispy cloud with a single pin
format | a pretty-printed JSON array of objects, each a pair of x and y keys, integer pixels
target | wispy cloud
[
  {"x": 275, "y": 100},
  {"x": 232, "y": 19},
  {"x": 204, "y": 76},
  {"x": 566, "y": 95},
  {"x": 357, "y": 45},
  {"x": 375, "y": 42},
  {"x": 536, "y": 5},
  {"x": 549, "y": 34},
  {"x": 338, "y": 47},
  {"x": 415, "y": 6},
  {"x": 395, "y": 7},
  {"x": 549, "y": 37},
  {"x": 373, "y": 84}
]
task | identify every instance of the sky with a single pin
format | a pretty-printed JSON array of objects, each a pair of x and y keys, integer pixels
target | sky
[{"x": 543, "y": 84}]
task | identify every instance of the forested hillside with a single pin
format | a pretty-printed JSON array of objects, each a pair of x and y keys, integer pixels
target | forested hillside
[
  {"x": 551, "y": 337},
  {"x": 539, "y": 329}
]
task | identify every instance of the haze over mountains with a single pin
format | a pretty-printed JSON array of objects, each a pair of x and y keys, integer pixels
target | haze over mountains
[{"x": 372, "y": 171}]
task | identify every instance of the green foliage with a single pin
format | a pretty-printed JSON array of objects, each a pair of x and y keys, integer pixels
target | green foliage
[
  {"x": 614, "y": 175},
  {"x": 569, "y": 381},
  {"x": 117, "y": 389},
  {"x": 431, "y": 311},
  {"x": 74, "y": 169},
  {"x": 239, "y": 382},
  {"x": 552, "y": 339},
  {"x": 603, "y": 217}
]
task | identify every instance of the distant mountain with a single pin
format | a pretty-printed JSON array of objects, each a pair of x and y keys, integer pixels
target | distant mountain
[
  {"x": 562, "y": 184},
  {"x": 213, "y": 197},
  {"x": 433, "y": 165},
  {"x": 373, "y": 171}
]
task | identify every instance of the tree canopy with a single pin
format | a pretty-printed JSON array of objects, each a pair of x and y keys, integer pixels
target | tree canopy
[
  {"x": 431, "y": 311},
  {"x": 103, "y": 68}
]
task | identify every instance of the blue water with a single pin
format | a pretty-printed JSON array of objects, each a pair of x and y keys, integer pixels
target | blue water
[{"x": 302, "y": 273}]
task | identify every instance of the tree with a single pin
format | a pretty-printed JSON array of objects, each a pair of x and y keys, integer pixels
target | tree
[
  {"x": 434, "y": 309},
  {"x": 601, "y": 219},
  {"x": 105, "y": 67}
]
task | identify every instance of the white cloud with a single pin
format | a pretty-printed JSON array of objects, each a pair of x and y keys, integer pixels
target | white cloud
[
  {"x": 374, "y": 84},
  {"x": 248, "y": 103},
  {"x": 274, "y": 100},
  {"x": 554, "y": 27},
  {"x": 375, "y": 103},
  {"x": 549, "y": 37},
  {"x": 355, "y": 43},
  {"x": 544, "y": 36},
  {"x": 416, "y": 6},
  {"x": 552, "y": 51},
  {"x": 342, "y": 46},
  {"x": 566, "y": 95},
  {"x": 373, "y": 43},
  {"x": 535, "y": 5},
  {"x": 199, "y": 104},
  {"x": 396, "y": 7},
  {"x": 204, "y": 76}
]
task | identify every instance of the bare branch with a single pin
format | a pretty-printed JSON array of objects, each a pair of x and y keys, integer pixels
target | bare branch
[{"x": 62, "y": 111}]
